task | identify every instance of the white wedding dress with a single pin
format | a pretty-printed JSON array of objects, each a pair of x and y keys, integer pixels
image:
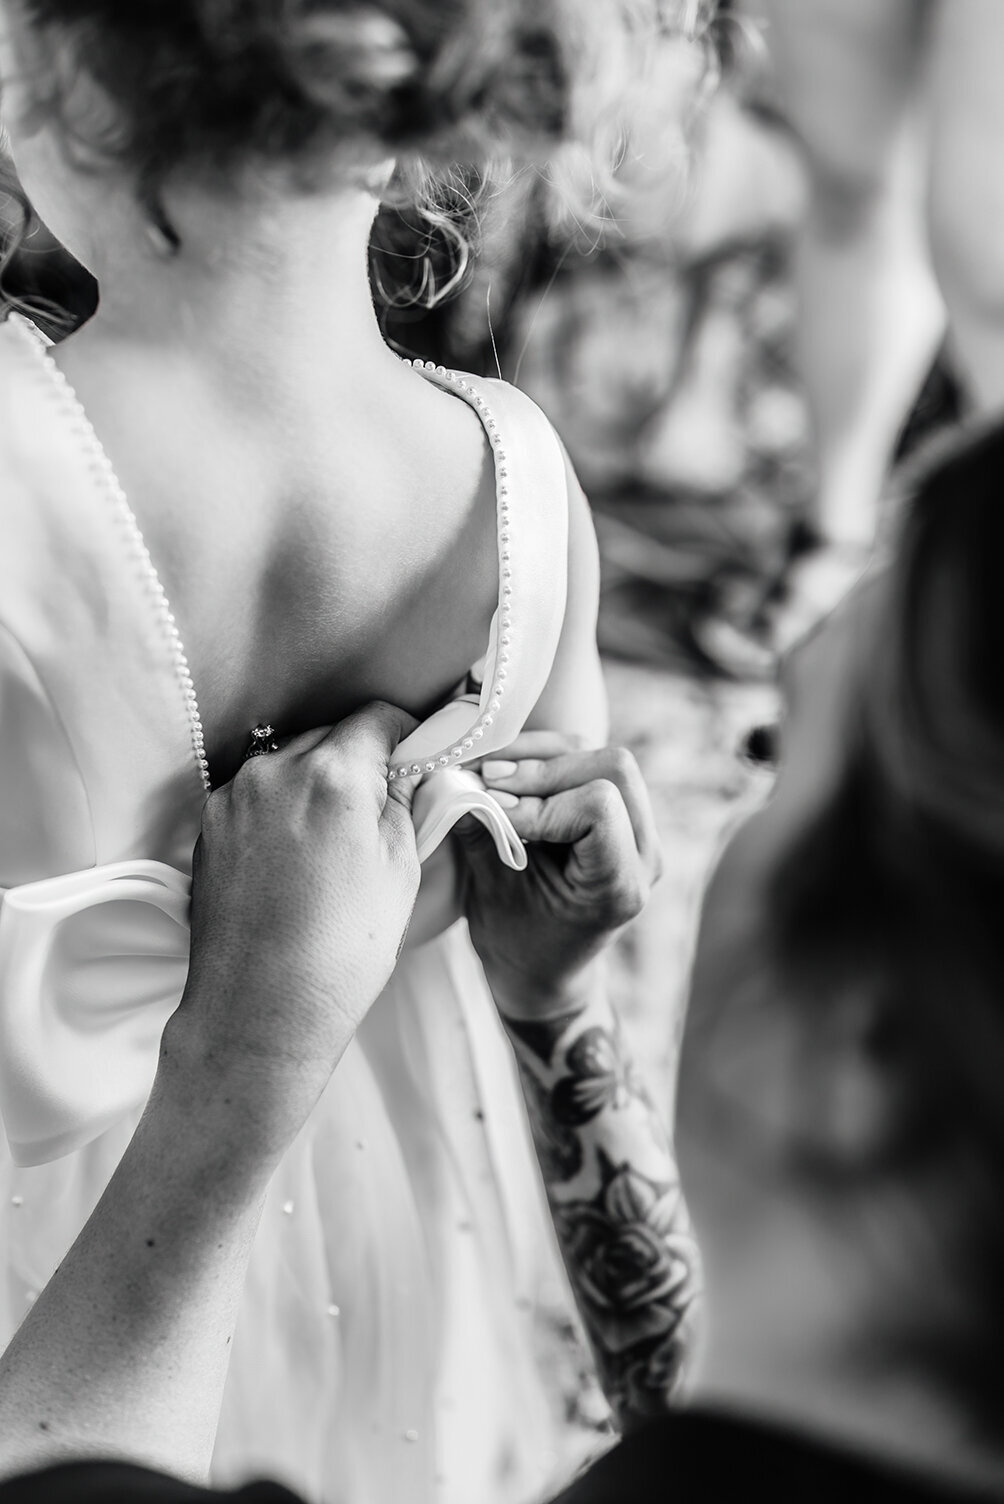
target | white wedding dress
[{"x": 385, "y": 1352}]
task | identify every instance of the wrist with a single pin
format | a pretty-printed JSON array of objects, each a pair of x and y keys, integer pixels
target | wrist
[
  {"x": 522, "y": 998},
  {"x": 220, "y": 1110}
]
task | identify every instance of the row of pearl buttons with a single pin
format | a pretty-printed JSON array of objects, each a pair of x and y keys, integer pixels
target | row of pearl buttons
[
  {"x": 452, "y": 755},
  {"x": 108, "y": 482}
]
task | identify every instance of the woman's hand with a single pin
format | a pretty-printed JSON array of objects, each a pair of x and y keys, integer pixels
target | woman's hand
[
  {"x": 304, "y": 881},
  {"x": 593, "y": 856},
  {"x": 305, "y": 877},
  {"x": 605, "y": 1157}
]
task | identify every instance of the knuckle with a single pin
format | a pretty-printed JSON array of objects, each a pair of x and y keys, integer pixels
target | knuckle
[
  {"x": 342, "y": 774},
  {"x": 331, "y": 767},
  {"x": 627, "y": 898},
  {"x": 368, "y": 723},
  {"x": 383, "y": 709},
  {"x": 250, "y": 776},
  {"x": 623, "y": 765},
  {"x": 533, "y": 772},
  {"x": 638, "y": 894},
  {"x": 257, "y": 792},
  {"x": 531, "y": 817},
  {"x": 604, "y": 797},
  {"x": 382, "y": 722}
]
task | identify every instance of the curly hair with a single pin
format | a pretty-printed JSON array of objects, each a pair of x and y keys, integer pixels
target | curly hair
[
  {"x": 224, "y": 83},
  {"x": 455, "y": 90}
]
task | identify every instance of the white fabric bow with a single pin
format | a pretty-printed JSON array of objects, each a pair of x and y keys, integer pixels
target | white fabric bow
[{"x": 93, "y": 964}]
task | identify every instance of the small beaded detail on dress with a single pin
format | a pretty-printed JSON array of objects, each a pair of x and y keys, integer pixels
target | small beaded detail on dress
[
  {"x": 455, "y": 752},
  {"x": 101, "y": 469}
]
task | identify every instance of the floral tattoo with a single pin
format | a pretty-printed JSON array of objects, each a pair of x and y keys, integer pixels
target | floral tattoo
[{"x": 618, "y": 1210}]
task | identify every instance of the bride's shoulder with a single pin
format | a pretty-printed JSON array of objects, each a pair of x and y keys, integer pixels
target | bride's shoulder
[
  {"x": 529, "y": 423},
  {"x": 520, "y": 431},
  {"x": 538, "y": 452},
  {"x": 520, "y": 408},
  {"x": 574, "y": 698}
]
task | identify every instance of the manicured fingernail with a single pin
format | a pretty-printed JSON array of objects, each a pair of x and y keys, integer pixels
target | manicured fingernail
[
  {"x": 506, "y": 800},
  {"x": 500, "y": 769}
]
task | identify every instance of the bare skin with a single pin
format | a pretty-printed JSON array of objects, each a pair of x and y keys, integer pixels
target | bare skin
[
  {"x": 126, "y": 1350},
  {"x": 322, "y": 517},
  {"x": 604, "y": 1150}
]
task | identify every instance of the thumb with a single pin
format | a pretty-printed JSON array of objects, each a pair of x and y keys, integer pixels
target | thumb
[{"x": 377, "y": 728}]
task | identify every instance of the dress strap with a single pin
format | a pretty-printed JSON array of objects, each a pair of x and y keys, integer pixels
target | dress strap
[{"x": 532, "y": 510}]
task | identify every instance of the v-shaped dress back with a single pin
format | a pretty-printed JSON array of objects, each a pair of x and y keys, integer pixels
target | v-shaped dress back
[{"x": 385, "y": 1349}]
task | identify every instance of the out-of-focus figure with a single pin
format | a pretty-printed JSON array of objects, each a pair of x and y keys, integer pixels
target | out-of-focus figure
[{"x": 898, "y": 112}]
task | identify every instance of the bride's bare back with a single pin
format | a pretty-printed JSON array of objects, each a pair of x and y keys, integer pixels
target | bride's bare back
[{"x": 317, "y": 553}]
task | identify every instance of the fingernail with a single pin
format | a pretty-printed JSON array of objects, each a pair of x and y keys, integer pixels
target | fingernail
[
  {"x": 499, "y": 769},
  {"x": 506, "y": 800}
]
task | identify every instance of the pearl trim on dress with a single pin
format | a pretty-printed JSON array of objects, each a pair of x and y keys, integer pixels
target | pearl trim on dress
[
  {"x": 103, "y": 473},
  {"x": 455, "y": 753}
]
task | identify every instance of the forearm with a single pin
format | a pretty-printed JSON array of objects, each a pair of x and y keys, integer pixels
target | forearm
[
  {"x": 614, "y": 1193},
  {"x": 125, "y": 1352}
]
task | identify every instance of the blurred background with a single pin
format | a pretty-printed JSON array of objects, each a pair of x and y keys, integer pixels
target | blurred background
[{"x": 662, "y": 339}]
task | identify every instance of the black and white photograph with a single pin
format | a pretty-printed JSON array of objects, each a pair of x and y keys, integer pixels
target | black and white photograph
[{"x": 501, "y": 751}]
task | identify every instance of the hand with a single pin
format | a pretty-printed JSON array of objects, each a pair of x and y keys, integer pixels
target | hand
[
  {"x": 593, "y": 856},
  {"x": 305, "y": 877}
]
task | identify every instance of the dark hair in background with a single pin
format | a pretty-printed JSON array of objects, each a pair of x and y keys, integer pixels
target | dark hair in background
[{"x": 898, "y": 884}]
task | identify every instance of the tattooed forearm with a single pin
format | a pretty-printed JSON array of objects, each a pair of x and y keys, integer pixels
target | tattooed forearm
[{"x": 615, "y": 1197}]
